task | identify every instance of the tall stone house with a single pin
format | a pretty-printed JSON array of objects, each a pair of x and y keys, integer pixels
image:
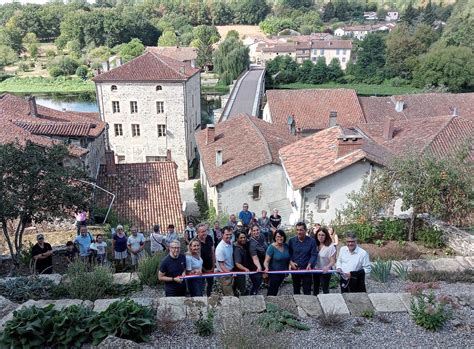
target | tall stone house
[{"x": 152, "y": 106}]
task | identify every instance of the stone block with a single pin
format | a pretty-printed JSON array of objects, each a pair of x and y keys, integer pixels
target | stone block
[
  {"x": 358, "y": 303},
  {"x": 252, "y": 304},
  {"x": 333, "y": 303},
  {"x": 465, "y": 262},
  {"x": 171, "y": 308},
  {"x": 387, "y": 303},
  {"x": 55, "y": 278},
  {"x": 145, "y": 301},
  {"x": 229, "y": 314},
  {"x": 101, "y": 305},
  {"x": 6, "y": 306},
  {"x": 285, "y": 302},
  {"x": 125, "y": 278},
  {"x": 421, "y": 265},
  {"x": 406, "y": 300},
  {"x": 447, "y": 264},
  {"x": 195, "y": 307},
  {"x": 309, "y": 304}
]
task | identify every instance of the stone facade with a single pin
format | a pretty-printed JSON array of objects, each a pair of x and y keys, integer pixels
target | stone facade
[{"x": 134, "y": 132}]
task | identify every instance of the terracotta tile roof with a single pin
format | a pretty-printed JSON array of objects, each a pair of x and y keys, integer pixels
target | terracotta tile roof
[
  {"x": 51, "y": 128},
  {"x": 418, "y": 106},
  {"x": 311, "y": 108},
  {"x": 280, "y": 48},
  {"x": 313, "y": 158},
  {"x": 149, "y": 67},
  {"x": 247, "y": 143},
  {"x": 181, "y": 54},
  {"x": 146, "y": 194},
  {"x": 332, "y": 44},
  {"x": 458, "y": 133}
]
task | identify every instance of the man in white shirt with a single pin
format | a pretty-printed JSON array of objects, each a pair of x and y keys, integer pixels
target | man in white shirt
[
  {"x": 136, "y": 245},
  {"x": 353, "y": 264},
  {"x": 156, "y": 240},
  {"x": 225, "y": 261}
]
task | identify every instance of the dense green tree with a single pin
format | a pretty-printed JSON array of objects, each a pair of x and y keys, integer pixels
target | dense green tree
[
  {"x": 319, "y": 73},
  {"x": 130, "y": 50},
  {"x": 410, "y": 15},
  {"x": 204, "y": 37},
  {"x": 284, "y": 69},
  {"x": 429, "y": 14},
  {"x": 304, "y": 71},
  {"x": 341, "y": 10},
  {"x": 250, "y": 11},
  {"x": 451, "y": 66},
  {"x": 168, "y": 38},
  {"x": 370, "y": 59},
  {"x": 7, "y": 55},
  {"x": 30, "y": 42},
  {"x": 233, "y": 34},
  {"x": 231, "y": 58},
  {"x": 459, "y": 29},
  {"x": 221, "y": 13},
  {"x": 99, "y": 54},
  {"x": 296, "y": 4},
  {"x": 334, "y": 71},
  {"x": 328, "y": 11},
  {"x": 11, "y": 38}
]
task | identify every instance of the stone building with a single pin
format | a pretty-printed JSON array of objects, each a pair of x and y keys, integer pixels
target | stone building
[{"x": 153, "y": 106}]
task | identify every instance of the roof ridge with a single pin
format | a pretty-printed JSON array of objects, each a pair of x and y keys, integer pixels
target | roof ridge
[
  {"x": 441, "y": 129},
  {"x": 267, "y": 146},
  {"x": 160, "y": 57}
]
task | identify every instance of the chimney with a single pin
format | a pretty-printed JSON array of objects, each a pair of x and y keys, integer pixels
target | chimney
[
  {"x": 182, "y": 70},
  {"x": 33, "y": 107},
  {"x": 332, "y": 118},
  {"x": 455, "y": 111},
  {"x": 105, "y": 66},
  {"x": 210, "y": 133},
  {"x": 348, "y": 144},
  {"x": 110, "y": 166},
  {"x": 118, "y": 62},
  {"x": 388, "y": 128},
  {"x": 399, "y": 104},
  {"x": 218, "y": 157},
  {"x": 168, "y": 155},
  {"x": 193, "y": 63}
]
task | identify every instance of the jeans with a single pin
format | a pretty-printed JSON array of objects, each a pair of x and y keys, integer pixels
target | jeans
[
  {"x": 256, "y": 283},
  {"x": 304, "y": 280},
  {"x": 210, "y": 282},
  {"x": 195, "y": 287},
  {"x": 175, "y": 290},
  {"x": 275, "y": 281},
  {"x": 321, "y": 280}
]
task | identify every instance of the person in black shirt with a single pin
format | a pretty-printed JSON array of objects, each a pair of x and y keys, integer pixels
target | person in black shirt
[
  {"x": 257, "y": 249},
  {"x": 207, "y": 254},
  {"x": 242, "y": 263},
  {"x": 42, "y": 253},
  {"x": 173, "y": 266},
  {"x": 71, "y": 252},
  {"x": 275, "y": 222}
]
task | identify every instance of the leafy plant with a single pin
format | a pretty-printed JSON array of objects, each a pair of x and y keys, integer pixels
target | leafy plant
[
  {"x": 334, "y": 281},
  {"x": 430, "y": 237},
  {"x": 368, "y": 314},
  {"x": 393, "y": 229},
  {"x": 275, "y": 319},
  {"x": 25, "y": 257},
  {"x": 148, "y": 268},
  {"x": 125, "y": 319},
  {"x": 122, "y": 290},
  {"x": 428, "y": 312},
  {"x": 401, "y": 271},
  {"x": 98, "y": 281},
  {"x": 379, "y": 243},
  {"x": 205, "y": 326},
  {"x": 365, "y": 231},
  {"x": 70, "y": 326},
  {"x": 21, "y": 289},
  {"x": 381, "y": 270}
]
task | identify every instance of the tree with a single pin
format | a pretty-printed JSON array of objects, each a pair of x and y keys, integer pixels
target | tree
[
  {"x": 341, "y": 10},
  {"x": 304, "y": 71},
  {"x": 370, "y": 59},
  {"x": 30, "y": 41},
  {"x": 233, "y": 34},
  {"x": 429, "y": 15},
  {"x": 328, "y": 12},
  {"x": 7, "y": 56},
  {"x": 231, "y": 58},
  {"x": 130, "y": 50},
  {"x": 11, "y": 38},
  {"x": 334, "y": 71},
  {"x": 250, "y": 11},
  {"x": 459, "y": 29},
  {"x": 452, "y": 67},
  {"x": 204, "y": 37},
  {"x": 410, "y": 15},
  {"x": 168, "y": 38},
  {"x": 36, "y": 187},
  {"x": 319, "y": 73},
  {"x": 297, "y": 4}
]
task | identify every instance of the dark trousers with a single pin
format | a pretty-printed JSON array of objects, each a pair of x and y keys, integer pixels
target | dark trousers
[
  {"x": 304, "y": 280},
  {"x": 256, "y": 283},
  {"x": 356, "y": 282},
  {"x": 240, "y": 285},
  {"x": 195, "y": 287},
  {"x": 274, "y": 283},
  {"x": 321, "y": 280},
  {"x": 210, "y": 283},
  {"x": 178, "y": 290}
]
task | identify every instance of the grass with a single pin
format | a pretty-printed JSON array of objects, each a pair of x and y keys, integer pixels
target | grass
[
  {"x": 361, "y": 89},
  {"x": 46, "y": 85},
  {"x": 217, "y": 89}
]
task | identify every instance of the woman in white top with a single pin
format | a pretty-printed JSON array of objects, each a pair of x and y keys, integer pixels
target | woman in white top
[
  {"x": 326, "y": 260},
  {"x": 194, "y": 267},
  {"x": 156, "y": 240}
]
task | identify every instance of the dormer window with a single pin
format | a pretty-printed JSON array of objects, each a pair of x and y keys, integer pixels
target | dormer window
[
  {"x": 159, "y": 88},
  {"x": 113, "y": 88}
]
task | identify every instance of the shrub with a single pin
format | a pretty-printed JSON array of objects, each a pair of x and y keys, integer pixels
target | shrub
[
  {"x": 24, "y": 67},
  {"x": 401, "y": 271},
  {"x": 368, "y": 314},
  {"x": 70, "y": 326},
  {"x": 398, "y": 81},
  {"x": 430, "y": 237},
  {"x": 50, "y": 53},
  {"x": 148, "y": 268},
  {"x": 275, "y": 319},
  {"x": 429, "y": 312},
  {"x": 21, "y": 289},
  {"x": 82, "y": 71},
  {"x": 205, "y": 326},
  {"x": 98, "y": 281},
  {"x": 125, "y": 319},
  {"x": 365, "y": 232},
  {"x": 381, "y": 270},
  {"x": 393, "y": 229},
  {"x": 54, "y": 71},
  {"x": 331, "y": 319}
]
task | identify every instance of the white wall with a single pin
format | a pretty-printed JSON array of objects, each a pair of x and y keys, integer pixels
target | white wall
[{"x": 267, "y": 116}]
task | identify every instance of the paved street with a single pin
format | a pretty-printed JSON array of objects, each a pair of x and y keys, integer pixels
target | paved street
[{"x": 244, "y": 101}]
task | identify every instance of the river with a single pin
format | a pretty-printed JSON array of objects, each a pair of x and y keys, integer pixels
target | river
[{"x": 80, "y": 102}]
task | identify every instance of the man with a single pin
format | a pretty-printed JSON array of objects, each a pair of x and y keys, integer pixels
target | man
[
  {"x": 156, "y": 240},
  {"x": 232, "y": 222},
  {"x": 189, "y": 233},
  {"x": 303, "y": 256},
  {"x": 136, "y": 245},
  {"x": 83, "y": 242},
  {"x": 207, "y": 254},
  {"x": 275, "y": 222},
  {"x": 225, "y": 261},
  {"x": 353, "y": 264},
  {"x": 245, "y": 215},
  {"x": 172, "y": 267},
  {"x": 42, "y": 253},
  {"x": 171, "y": 235}
]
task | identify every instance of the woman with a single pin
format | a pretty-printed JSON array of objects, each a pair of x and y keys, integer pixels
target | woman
[
  {"x": 326, "y": 260},
  {"x": 264, "y": 224},
  {"x": 334, "y": 237},
  {"x": 194, "y": 267},
  {"x": 277, "y": 258},
  {"x": 241, "y": 261},
  {"x": 216, "y": 234},
  {"x": 119, "y": 246},
  {"x": 257, "y": 249}
]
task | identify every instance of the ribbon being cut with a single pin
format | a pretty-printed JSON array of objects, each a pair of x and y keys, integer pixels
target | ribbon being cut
[{"x": 236, "y": 273}]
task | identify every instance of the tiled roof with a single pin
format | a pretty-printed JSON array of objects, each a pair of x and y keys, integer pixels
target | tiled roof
[
  {"x": 305, "y": 45},
  {"x": 181, "y": 54},
  {"x": 146, "y": 194},
  {"x": 149, "y": 67},
  {"x": 50, "y": 128},
  {"x": 311, "y": 108},
  {"x": 247, "y": 143},
  {"x": 331, "y": 44},
  {"x": 418, "y": 106},
  {"x": 313, "y": 158},
  {"x": 280, "y": 48}
]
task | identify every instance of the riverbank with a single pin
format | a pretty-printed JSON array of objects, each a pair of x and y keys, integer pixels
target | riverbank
[
  {"x": 46, "y": 85},
  {"x": 361, "y": 89}
]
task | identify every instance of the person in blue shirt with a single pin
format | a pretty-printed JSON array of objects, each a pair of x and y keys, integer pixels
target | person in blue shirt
[
  {"x": 303, "y": 256},
  {"x": 245, "y": 215},
  {"x": 83, "y": 241}
]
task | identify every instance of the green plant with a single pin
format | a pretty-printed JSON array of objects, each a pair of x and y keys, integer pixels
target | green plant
[
  {"x": 381, "y": 270},
  {"x": 125, "y": 319},
  {"x": 401, "y": 271},
  {"x": 428, "y": 312},
  {"x": 334, "y": 281},
  {"x": 98, "y": 281},
  {"x": 21, "y": 289},
  {"x": 25, "y": 257},
  {"x": 123, "y": 290},
  {"x": 205, "y": 326},
  {"x": 70, "y": 326},
  {"x": 379, "y": 243},
  {"x": 368, "y": 314},
  {"x": 201, "y": 200},
  {"x": 275, "y": 319},
  {"x": 430, "y": 237},
  {"x": 365, "y": 231},
  {"x": 148, "y": 269},
  {"x": 393, "y": 229}
]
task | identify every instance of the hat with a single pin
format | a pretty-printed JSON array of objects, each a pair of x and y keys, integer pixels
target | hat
[
  {"x": 39, "y": 236},
  {"x": 239, "y": 223}
]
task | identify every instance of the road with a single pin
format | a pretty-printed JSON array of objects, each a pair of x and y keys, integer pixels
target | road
[{"x": 246, "y": 95}]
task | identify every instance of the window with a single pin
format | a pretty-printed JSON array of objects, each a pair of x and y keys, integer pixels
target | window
[
  {"x": 256, "y": 191},
  {"x": 344, "y": 52},
  {"x": 338, "y": 51},
  {"x": 343, "y": 59},
  {"x": 161, "y": 130},
  {"x": 118, "y": 130},
  {"x": 113, "y": 88},
  {"x": 121, "y": 159},
  {"x": 314, "y": 59},
  {"x": 160, "y": 107},
  {"x": 133, "y": 107},
  {"x": 115, "y": 107},
  {"x": 321, "y": 51},
  {"x": 135, "y": 130},
  {"x": 159, "y": 88},
  {"x": 155, "y": 158},
  {"x": 323, "y": 203}
]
